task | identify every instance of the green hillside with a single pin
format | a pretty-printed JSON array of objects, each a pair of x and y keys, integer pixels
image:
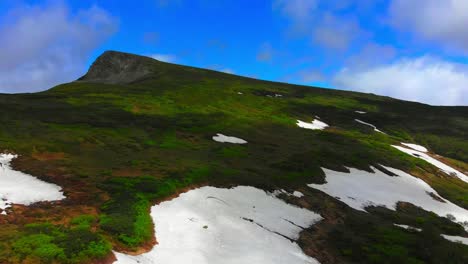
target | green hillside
[{"x": 135, "y": 131}]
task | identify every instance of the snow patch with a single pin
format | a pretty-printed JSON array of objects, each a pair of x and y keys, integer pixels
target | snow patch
[
  {"x": 238, "y": 225},
  {"x": 360, "y": 112},
  {"x": 456, "y": 239},
  {"x": 21, "y": 188},
  {"x": 409, "y": 227},
  {"x": 298, "y": 194},
  {"x": 443, "y": 167},
  {"x": 367, "y": 124},
  {"x": 316, "y": 124},
  {"x": 227, "y": 139},
  {"x": 278, "y": 192},
  {"x": 359, "y": 189},
  {"x": 415, "y": 147}
]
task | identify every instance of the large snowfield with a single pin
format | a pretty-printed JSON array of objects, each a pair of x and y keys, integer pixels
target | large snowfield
[
  {"x": 360, "y": 189},
  {"x": 20, "y": 188},
  {"x": 230, "y": 226}
]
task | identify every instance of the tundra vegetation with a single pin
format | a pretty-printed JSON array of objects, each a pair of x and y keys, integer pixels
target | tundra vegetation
[{"x": 119, "y": 145}]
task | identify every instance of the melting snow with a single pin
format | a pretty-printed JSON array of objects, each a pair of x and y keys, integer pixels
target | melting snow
[
  {"x": 457, "y": 239},
  {"x": 443, "y": 167},
  {"x": 367, "y": 124},
  {"x": 214, "y": 225},
  {"x": 415, "y": 147},
  {"x": 20, "y": 188},
  {"x": 298, "y": 194},
  {"x": 316, "y": 124},
  {"x": 359, "y": 189},
  {"x": 226, "y": 139},
  {"x": 409, "y": 227}
]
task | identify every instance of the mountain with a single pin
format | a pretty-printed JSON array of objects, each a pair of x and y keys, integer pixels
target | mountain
[
  {"x": 228, "y": 163},
  {"x": 119, "y": 67}
]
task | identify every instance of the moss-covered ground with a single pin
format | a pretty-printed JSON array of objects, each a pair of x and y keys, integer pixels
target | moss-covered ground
[{"x": 121, "y": 148}]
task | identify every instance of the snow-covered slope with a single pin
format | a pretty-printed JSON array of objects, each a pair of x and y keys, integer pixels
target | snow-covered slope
[
  {"x": 360, "y": 189},
  {"x": 443, "y": 167},
  {"x": 214, "y": 225},
  {"x": 415, "y": 147},
  {"x": 20, "y": 188}
]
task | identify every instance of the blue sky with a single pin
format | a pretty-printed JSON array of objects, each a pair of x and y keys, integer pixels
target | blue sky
[{"x": 408, "y": 49}]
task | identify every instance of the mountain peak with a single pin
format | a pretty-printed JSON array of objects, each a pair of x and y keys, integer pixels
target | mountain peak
[{"x": 118, "y": 67}]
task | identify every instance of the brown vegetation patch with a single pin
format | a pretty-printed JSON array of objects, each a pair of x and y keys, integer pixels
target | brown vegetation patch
[
  {"x": 47, "y": 156},
  {"x": 53, "y": 212},
  {"x": 456, "y": 164},
  {"x": 127, "y": 172}
]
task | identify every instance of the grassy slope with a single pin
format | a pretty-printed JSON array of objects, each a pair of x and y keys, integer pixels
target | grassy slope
[{"x": 134, "y": 144}]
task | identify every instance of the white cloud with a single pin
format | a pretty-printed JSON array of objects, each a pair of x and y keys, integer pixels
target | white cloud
[
  {"x": 265, "y": 54},
  {"x": 46, "y": 45},
  {"x": 443, "y": 21},
  {"x": 164, "y": 57},
  {"x": 311, "y": 75},
  {"x": 297, "y": 10},
  {"x": 227, "y": 70},
  {"x": 372, "y": 54},
  {"x": 335, "y": 33},
  {"x": 423, "y": 79},
  {"x": 220, "y": 68},
  {"x": 321, "y": 21}
]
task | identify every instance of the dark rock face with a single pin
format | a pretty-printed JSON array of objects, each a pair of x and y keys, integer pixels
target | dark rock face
[{"x": 118, "y": 68}]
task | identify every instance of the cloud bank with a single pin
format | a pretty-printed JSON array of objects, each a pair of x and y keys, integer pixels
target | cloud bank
[
  {"x": 43, "y": 46},
  {"x": 424, "y": 79},
  {"x": 164, "y": 57},
  {"x": 444, "y": 22}
]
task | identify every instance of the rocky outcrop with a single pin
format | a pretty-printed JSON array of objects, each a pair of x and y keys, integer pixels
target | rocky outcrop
[{"x": 119, "y": 68}]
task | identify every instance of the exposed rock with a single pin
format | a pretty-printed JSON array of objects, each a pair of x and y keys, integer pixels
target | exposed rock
[{"x": 119, "y": 67}]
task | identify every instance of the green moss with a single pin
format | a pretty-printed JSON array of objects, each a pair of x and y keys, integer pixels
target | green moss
[
  {"x": 162, "y": 126},
  {"x": 50, "y": 243},
  {"x": 371, "y": 239},
  {"x": 170, "y": 141},
  {"x": 83, "y": 221},
  {"x": 126, "y": 216},
  {"x": 234, "y": 152}
]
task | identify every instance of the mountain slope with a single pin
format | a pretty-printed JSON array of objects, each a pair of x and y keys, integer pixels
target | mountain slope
[{"x": 134, "y": 131}]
